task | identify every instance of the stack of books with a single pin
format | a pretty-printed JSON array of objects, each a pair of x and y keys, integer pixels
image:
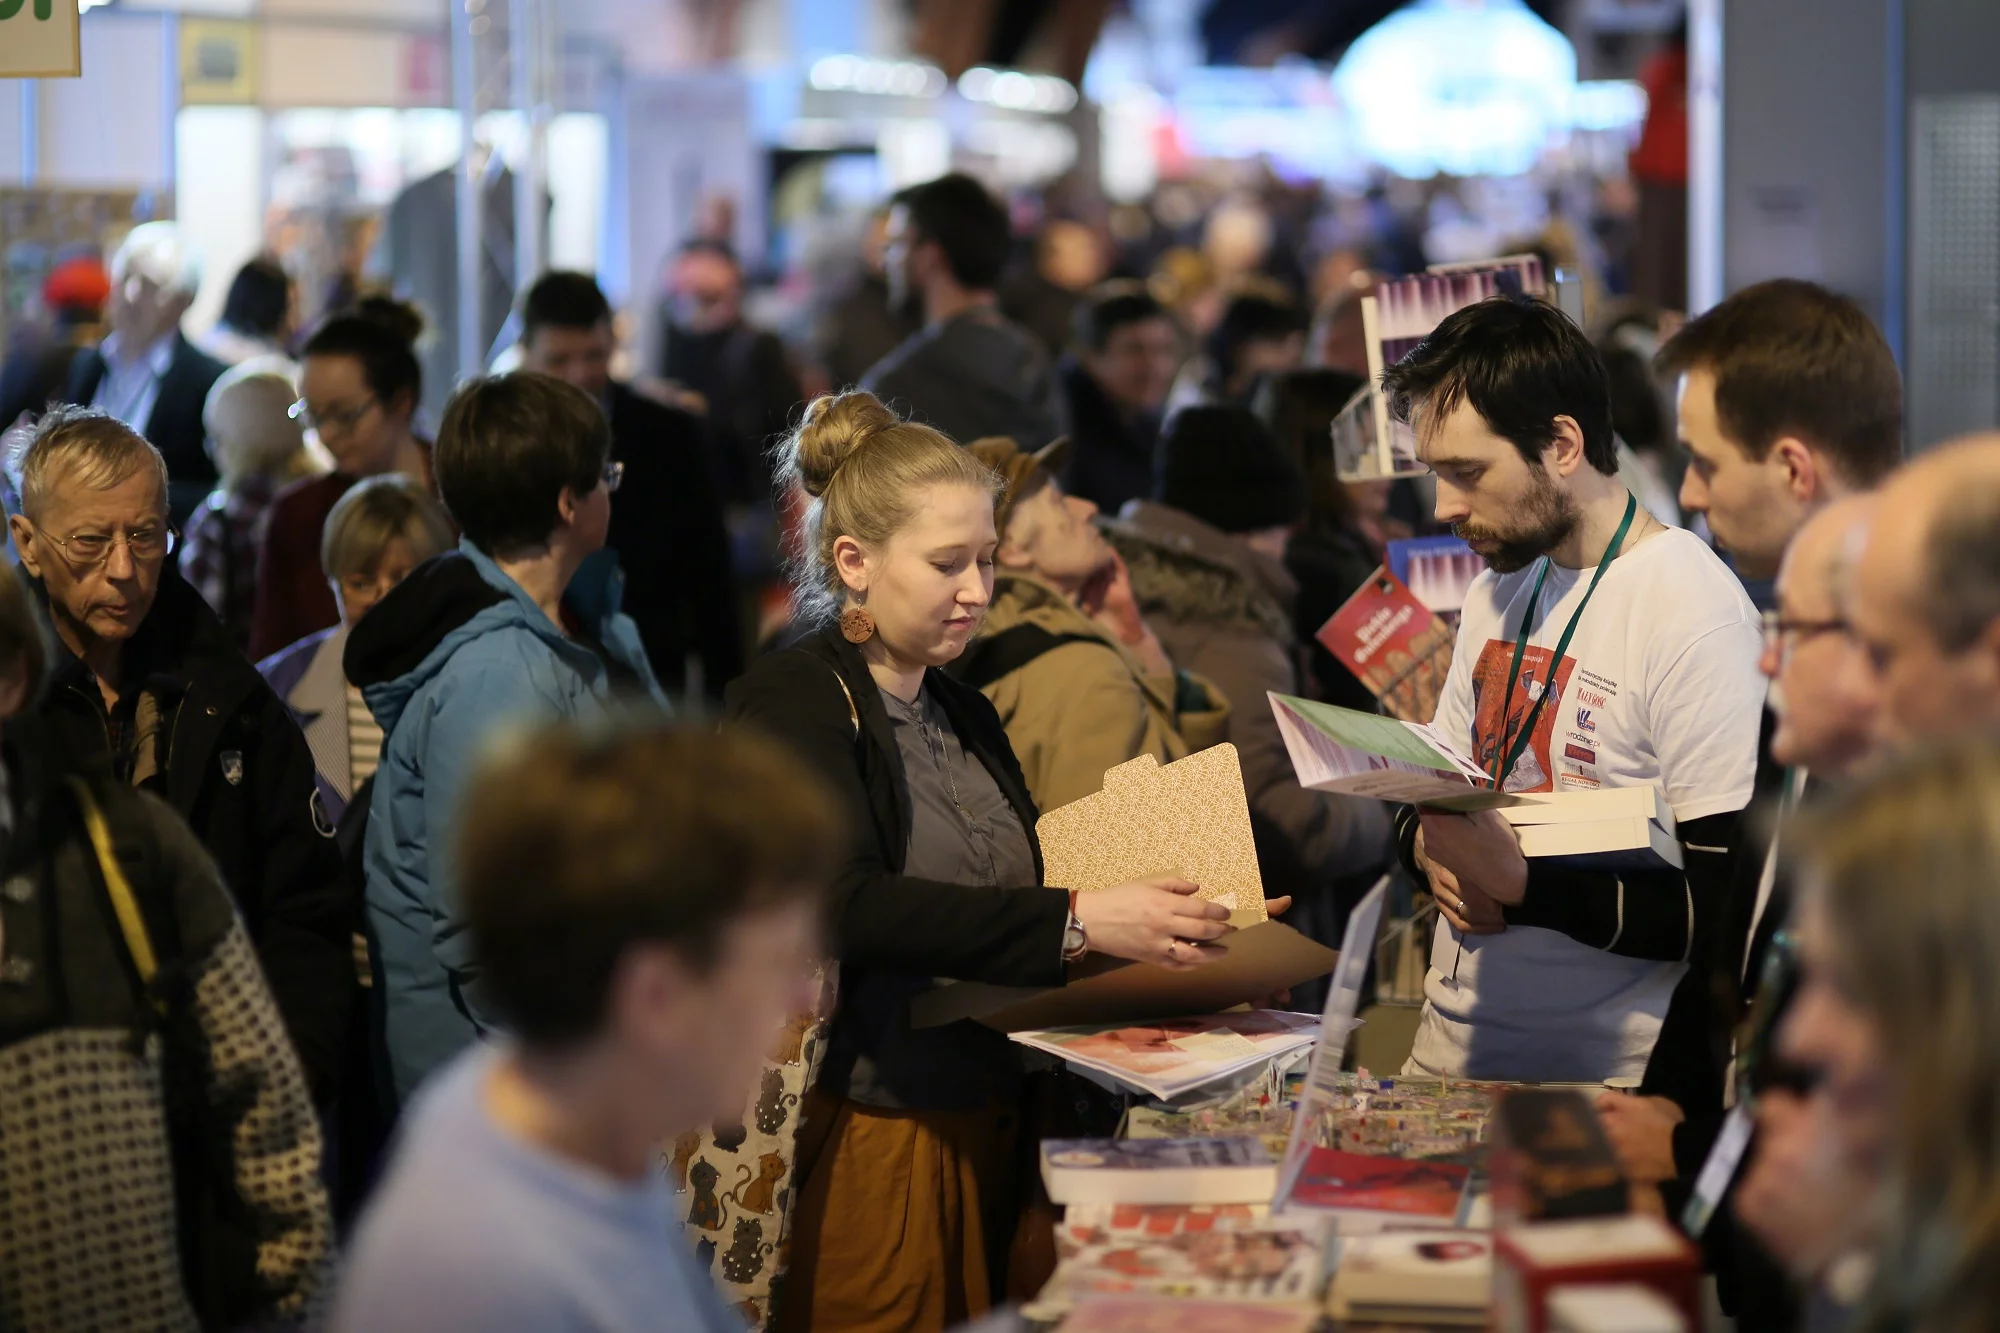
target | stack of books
[
  {"x": 1414, "y": 1277},
  {"x": 1186, "y": 1253}
]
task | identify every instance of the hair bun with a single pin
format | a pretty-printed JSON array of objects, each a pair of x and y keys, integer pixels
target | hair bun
[
  {"x": 834, "y": 426},
  {"x": 399, "y": 317}
]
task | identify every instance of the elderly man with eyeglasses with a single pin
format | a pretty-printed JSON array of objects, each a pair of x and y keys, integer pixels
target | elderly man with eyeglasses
[{"x": 147, "y": 681}]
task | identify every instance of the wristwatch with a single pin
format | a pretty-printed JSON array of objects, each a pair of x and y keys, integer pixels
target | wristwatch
[{"x": 1075, "y": 943}]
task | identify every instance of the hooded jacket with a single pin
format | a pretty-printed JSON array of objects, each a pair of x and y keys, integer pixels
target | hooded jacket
[
  {"x": 454, "y": 653},
  {"x": 1086, "y": 704},
  {"x": 222, "y": 749},
  {"x": 1111, "y": 454},
  {"x": 972, "y": 376},
  {"x": 1223, "y": 610}
]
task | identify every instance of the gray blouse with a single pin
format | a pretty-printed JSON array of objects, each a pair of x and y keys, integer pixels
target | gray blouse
[{"x": 962, "y": 829}]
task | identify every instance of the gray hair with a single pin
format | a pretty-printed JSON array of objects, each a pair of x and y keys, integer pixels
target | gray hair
[
  {"x": 158, "y": 253},
  {"x": 93, "y": 448}
]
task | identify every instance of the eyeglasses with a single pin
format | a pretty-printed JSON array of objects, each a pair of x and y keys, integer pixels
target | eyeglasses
[
  {"x": 1778, "y": 629},
  {"x": 87, "y": 550},
  {"x": 337, "y": 422},
  {"x": 614, "y": 476}
]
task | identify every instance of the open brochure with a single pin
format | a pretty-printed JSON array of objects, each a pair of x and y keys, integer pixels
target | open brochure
[
  {"x": 1168, "y": 1057},
  {"x": 1364, "y": 754}
]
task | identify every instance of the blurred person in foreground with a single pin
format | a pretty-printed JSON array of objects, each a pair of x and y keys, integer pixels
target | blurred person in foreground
[
  {"x": 648, "y": 905},
  {"x": 1207, "y": 561},
  {"x": 508, "y": 626},
  {"x": 1345, "y": 528},
  {"x": 383, "y": 528},
  {"x": 39, "y": 353},
  {"x": 737, "y": 373},
  {"x": 1112, "y": 393},
  {"x": 909, "y": 1177},
  {"x": 146, "y": 682},
  {"x": 666, "y": 532},
  {"x": 1539, "y": 970},
  {"x": 969, "y": 372},
  {"x": 145, "y": 372},
  {"x": 136, "y": 1108},
  {"x": 257, "y": 315},
  {"x": 1080, "y": 680},
  {"x": 360, "y": 385},
  {"x": 259, "y": 448},
  {"x": 1879, "y": 1184}
]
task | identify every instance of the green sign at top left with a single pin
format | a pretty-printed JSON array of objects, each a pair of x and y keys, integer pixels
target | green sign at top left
[{"x": 39, "y": 39}]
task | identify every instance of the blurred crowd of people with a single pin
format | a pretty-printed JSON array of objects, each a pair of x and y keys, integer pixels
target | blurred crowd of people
[{"x": 1037, "y": 497}]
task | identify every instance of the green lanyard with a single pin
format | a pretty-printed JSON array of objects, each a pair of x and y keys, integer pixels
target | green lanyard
[{"x": 1521, "y": 739}]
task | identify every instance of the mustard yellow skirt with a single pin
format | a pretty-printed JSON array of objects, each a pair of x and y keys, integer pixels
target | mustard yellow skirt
[{"x": 903, "y": 1218}]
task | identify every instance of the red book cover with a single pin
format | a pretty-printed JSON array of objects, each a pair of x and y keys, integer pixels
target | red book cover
[
  {"x": 1393, "y": 644},
  {"x": 1414, "y": 1188}
]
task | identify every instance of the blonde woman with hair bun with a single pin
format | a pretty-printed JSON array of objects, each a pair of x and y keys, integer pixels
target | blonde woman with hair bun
[{"x": 908, "y": 1184}]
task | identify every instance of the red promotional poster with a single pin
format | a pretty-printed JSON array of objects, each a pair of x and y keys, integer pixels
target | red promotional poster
[
  {"x": 1413, "y": 1188},
  {"x": 1393, "y": 644},
  {"x": 1495, "y": 723}
]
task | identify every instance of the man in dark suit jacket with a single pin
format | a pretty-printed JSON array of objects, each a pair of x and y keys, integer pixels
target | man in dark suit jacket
[
  {"x": 667, "y": 519},
  {"x": 145, "y": 372}
]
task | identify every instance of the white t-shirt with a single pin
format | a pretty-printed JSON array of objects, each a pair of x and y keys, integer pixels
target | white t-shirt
[{"x": 1660, "y": 685}]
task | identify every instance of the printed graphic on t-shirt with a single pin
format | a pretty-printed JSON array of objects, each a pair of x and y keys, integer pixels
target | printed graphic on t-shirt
[{"x": 1532, "y": 771}]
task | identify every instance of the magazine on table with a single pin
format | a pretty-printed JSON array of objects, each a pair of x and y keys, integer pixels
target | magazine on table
[
  {"x": 1424, "y": 1277},
  {"x": 1168, "y": 1057},
  {"x": 1231, "y": 1170},
  {"x": 1282, "y": 1262},
  {"x": 1150, "y": 1314}
]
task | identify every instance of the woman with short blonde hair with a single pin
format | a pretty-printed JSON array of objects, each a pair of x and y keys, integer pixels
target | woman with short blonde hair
[{"x": 905, "y": 1184}]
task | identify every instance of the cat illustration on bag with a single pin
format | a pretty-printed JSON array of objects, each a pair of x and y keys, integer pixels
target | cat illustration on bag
[
  {"x": 744, "y": 1259},
  {"x": 706, "y": 1212},
  {"x": 685, "y": 1147},
  {"x": 773, "y": 1102},
  {"x": 758, "y": 1194}
]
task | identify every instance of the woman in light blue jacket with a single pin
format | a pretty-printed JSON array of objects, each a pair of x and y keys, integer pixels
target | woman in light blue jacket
[{"x": 521, "y": 622}]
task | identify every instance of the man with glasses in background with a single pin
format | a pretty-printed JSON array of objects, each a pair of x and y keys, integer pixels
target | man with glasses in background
[
  {"x": 1789, "y": 403},
  {"x": 146, "y": 678},
  {"x": 520, "y": 624}
]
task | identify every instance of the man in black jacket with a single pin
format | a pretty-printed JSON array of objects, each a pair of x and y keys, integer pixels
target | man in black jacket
[
  {"x": 146, "y": 678},
  {"x": 145, "y": 372},
  {"x": 667, "y": 527},
  {"x": 1111, "y": 391}
]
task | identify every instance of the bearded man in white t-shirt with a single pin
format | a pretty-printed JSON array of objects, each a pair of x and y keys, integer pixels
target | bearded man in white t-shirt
[{"x": 1601, "y": 650}]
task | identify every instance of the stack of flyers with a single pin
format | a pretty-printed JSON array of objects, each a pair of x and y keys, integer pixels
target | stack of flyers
[
  {"x": 1171, "y": 1056},
  {"x": 1091, "y": 1223},
  {"x": 1150, "y": 1314},
  {"x": 1268, "y": 1261},
  {"x": 1392, "y": 1187}
]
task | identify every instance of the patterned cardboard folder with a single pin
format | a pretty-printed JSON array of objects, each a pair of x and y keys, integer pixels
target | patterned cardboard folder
[{"x": 1189, "y": 819}]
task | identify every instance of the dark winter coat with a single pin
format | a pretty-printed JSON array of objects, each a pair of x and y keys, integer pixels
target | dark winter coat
[{"x": 229, "y": 758}]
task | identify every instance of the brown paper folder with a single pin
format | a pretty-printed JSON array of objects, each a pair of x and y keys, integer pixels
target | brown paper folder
[{"x": 1189, "y": 818}]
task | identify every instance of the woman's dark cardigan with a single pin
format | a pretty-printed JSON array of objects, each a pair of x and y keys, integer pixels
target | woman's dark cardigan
[{"x": 882, "y": 918}]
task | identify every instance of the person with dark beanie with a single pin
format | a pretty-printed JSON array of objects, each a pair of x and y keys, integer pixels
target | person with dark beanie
[{"x": 1207, "y": 564}]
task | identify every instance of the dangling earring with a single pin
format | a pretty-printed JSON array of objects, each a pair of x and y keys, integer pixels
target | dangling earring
[{"x": 856, "y": 625}]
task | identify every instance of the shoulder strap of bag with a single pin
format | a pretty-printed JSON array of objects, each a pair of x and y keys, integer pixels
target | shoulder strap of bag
[
  {"x": 987, "y": 660},
  {"x": 124, "y": 903}
]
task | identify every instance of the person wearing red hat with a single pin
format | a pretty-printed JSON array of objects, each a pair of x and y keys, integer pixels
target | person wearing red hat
[{"x": 38, "y": 364}]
